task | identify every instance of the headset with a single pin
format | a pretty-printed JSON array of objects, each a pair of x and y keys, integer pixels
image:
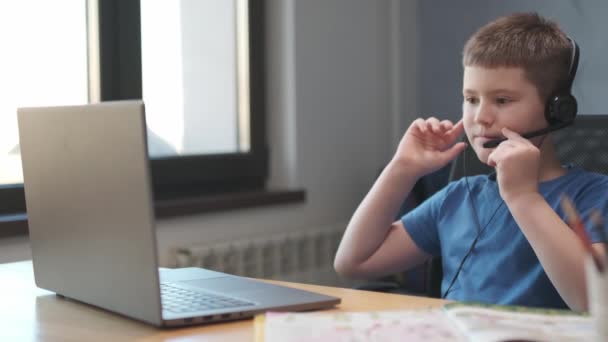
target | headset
[
  {"x": 560, "y": 112},
  {"x": 561, "y": 107}
]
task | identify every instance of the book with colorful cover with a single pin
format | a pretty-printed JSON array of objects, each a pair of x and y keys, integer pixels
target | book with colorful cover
[{"x": 453, "y": 322}]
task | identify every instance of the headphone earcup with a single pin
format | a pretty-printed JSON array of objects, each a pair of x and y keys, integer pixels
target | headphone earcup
[{"x": 561, "y": 108}]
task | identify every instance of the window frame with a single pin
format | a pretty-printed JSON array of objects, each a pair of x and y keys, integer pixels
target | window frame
[
  {"x": 175, "y": 177},
  {"x": 192, "y": 175}
]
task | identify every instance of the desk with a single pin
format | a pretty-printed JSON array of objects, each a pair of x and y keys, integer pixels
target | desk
[{"x": 30, "y": 314}]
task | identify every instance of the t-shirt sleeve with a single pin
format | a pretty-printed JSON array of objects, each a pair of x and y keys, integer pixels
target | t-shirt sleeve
[{"x": 421, "y": 222}]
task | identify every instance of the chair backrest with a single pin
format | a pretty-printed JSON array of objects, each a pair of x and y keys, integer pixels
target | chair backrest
[{"x": 583, "y": 144}]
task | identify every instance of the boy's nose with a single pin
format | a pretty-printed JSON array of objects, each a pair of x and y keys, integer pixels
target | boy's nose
[{"x": 484, "y": 116}]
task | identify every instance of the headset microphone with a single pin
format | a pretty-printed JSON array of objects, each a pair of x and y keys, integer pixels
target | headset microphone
[
  {"x": 543, "y": 131},
  {"x": 561, "y": 108}
]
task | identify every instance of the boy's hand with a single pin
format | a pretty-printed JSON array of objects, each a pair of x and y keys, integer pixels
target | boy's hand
[
  {"x": 517, "y": 163},
  {"x": 428, "y": 145}
]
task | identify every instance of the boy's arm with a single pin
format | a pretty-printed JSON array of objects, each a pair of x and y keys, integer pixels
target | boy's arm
[
  {"x": 373, "y": 244},
  {"x": 397, "y": 252},
  {"x": 555, "y": 244}
]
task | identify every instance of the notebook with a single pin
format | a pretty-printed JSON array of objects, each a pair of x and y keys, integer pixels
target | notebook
[
  {"x": 91, "y": 223},
  {"x": 452, "y": 322}
]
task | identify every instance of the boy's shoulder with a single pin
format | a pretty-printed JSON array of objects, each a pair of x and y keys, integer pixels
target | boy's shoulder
[
  {"x": 590, "y": 175},
  {"x": 580, "y": 180}
]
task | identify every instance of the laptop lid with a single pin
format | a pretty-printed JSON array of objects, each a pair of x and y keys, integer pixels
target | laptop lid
[{"x": 89, "y": 205}]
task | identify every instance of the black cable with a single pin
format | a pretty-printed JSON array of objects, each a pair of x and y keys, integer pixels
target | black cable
[{"x": 480, "y": 230}]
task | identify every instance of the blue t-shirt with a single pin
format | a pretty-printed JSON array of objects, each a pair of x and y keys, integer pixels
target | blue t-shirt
[{"x": 502, "y": 268}]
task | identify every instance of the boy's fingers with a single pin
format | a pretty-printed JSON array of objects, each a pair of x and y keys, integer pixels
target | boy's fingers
[
  {"x": 446, "y": 124},
  {"x": 511, "y": 135},
  {"x": 421, "y": 125},
  {"x": 418, "y": 121},
  {"x": 458, "y": 126},
  {"x": 491, "y": 159},
  {"x": 500, "y": 153},
  {"x": 453, "y": 152},
  {"x": 456, "y": 130},
  {"x": 434, "y": 124}
]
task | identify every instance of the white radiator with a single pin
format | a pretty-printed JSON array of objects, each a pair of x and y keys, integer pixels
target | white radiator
[{"x": 301, "y": 257}]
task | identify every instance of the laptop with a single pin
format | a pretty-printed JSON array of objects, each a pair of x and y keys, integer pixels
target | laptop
[{"x": 91, "y": 222}]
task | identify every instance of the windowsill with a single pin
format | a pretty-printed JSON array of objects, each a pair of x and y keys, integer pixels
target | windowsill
[
  {"x": 16, "y": 224},
  {"x": 226, "y": 201}
]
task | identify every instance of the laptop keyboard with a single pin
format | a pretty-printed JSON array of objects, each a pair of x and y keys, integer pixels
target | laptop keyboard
[{"x": 178, "y": 299}]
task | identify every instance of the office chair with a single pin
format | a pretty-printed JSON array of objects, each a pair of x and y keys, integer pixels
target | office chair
[{"x": 584, "y": 144}]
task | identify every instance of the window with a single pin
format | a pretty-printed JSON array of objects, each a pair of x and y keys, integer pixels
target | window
[
  {"x": 183, "y": 163},
  {"x": 187, "y": 174},
  {"x": 44, "y": 63},
  {"x": 195, "y": 76}
]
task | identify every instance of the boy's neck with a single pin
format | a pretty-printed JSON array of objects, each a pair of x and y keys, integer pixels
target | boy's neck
[{"x": 550, "y": 166}]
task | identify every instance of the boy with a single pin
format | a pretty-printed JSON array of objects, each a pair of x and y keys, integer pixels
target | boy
[{"x": 525, "y": 254}]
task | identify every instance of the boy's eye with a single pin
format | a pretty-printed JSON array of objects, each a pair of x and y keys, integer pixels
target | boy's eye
[
  {"x": 503, "y": 100},
  {"x": 471, "y": 100}
]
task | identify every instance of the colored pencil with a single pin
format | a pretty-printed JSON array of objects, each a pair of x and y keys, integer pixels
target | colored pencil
[{"x": 598, "y": 225}]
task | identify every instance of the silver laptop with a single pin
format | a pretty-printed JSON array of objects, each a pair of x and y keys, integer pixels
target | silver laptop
[{"x": 91, "y": 222}]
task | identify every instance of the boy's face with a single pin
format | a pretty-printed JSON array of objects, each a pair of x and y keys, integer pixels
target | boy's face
[{"x": 494, "y": 98}]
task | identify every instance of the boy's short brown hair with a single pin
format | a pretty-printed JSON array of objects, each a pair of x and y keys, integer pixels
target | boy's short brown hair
[{"x": 524, "y": 40}]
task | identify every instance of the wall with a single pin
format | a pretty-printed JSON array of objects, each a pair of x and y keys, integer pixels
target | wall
[{"x": 333, "y": 106}]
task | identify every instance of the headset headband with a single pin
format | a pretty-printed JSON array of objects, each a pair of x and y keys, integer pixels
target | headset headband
[{"x": 573, "y": 66}]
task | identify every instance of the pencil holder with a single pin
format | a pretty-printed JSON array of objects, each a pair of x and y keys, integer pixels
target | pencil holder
[{"x": 597, "y": 295}]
